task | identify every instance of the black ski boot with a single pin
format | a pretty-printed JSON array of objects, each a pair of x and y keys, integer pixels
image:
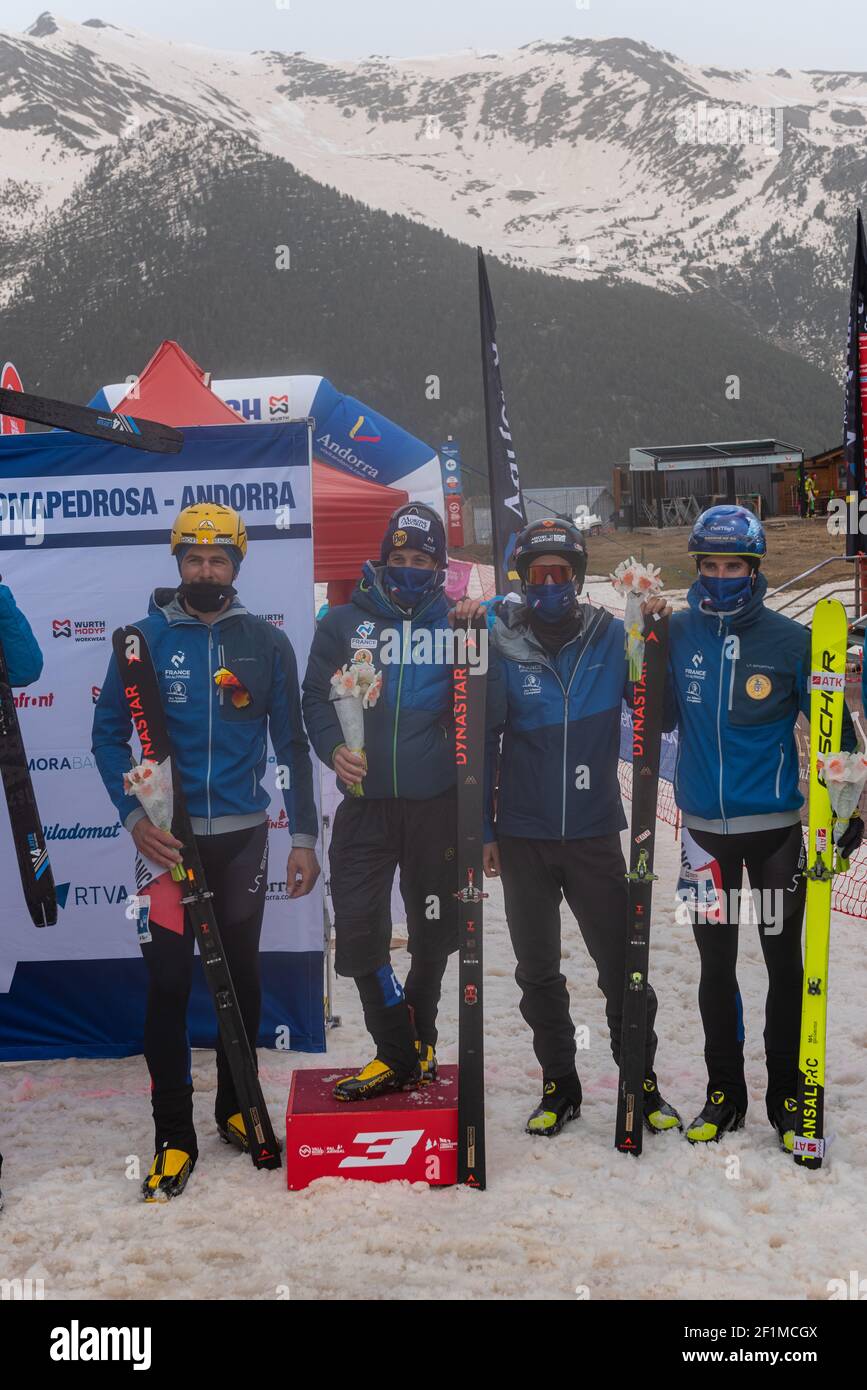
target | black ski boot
[
  {"x": 784, "y": 1119},
  {"x": 560, "y": 1103},
  {"x": 658, "y": 1114},
  {"x": 169, "y": 1174},
  {"x": 376, "y": 1079},
  {"x": 718, "y": 1116}
]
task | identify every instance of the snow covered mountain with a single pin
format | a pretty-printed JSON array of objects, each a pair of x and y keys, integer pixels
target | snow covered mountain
[
  {"x": 585, "y": 158},
  {"x": 146, "y": 185}
]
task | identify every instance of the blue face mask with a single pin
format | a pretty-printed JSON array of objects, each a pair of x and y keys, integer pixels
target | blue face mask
[
  {"x": 725, "y": 595},
  {"x": 551, "y": 601},
  {"x": 407, "y": 586}
]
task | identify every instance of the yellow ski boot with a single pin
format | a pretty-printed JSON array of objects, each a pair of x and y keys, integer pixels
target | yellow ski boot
[
  {"x": 376, "y": 1079},
  {"x": 169, "y": 1174}
]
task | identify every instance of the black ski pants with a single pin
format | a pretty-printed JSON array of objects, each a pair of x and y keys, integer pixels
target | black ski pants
[
  {"x": 372, "y": 838},
  {"x": 591, "y": 875},
  {"x": 774, "y": 862},
  {"x": 236, "y": 870}
]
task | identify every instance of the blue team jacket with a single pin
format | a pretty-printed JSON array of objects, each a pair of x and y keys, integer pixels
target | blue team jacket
[
  {"x": 560, "y": 720},
  {"x": 23, "y": 655},
  {"x": 736, "y": 685},
  {"x": 221, "y": 750},
  {"x": 409, "y": 733}
]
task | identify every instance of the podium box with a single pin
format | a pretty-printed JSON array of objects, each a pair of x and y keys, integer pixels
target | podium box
[{"x": 406, "y": 1134}]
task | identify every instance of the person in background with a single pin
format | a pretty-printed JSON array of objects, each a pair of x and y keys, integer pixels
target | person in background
[{"x": 23, "y": 660}]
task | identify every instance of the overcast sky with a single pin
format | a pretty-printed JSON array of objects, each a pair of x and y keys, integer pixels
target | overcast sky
[{"x": 734, "y": 33}]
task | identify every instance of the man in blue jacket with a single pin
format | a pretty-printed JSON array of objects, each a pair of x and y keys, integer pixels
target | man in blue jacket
[
  {"x": 739, "y": 676},
  {"x": 557, "y": 680},
  {"x": 23, "y": 658},
  {"x": 406, "y": 813},
  {"x": 228, "y": 679}
]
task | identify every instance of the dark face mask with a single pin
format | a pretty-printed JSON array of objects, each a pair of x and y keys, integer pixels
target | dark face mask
[
  {"x": 726, "y": 595},
  {"x": 550, "y": 602},
  {"x": 408, "y": 586},
  {"x": 205, "y": 598}
]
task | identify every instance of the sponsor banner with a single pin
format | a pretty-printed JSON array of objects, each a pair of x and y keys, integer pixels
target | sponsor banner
[
  {"x": 450, "y": 462},
  {"x": 95, "y": 571},
  {"x": 457, "y": 578},
  {"x": 508, "y": 516},
  {"x": 346, "y": 432},
  {"x": 455, "y": 518},
  {"x": 11, "y": 381}
]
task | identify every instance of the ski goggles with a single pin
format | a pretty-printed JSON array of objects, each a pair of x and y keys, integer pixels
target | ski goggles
[{"x": 539, "y": 573}]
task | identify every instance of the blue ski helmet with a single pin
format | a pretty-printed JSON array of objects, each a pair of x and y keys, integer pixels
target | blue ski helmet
[{"x": 728, "y": 530}]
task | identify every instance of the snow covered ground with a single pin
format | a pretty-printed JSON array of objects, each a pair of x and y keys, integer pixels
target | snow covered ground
[{"x": 737, "y": 1220}]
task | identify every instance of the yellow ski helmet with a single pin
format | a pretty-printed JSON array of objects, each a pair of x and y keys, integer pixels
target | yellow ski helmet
[{"x": 209, "y": 523}]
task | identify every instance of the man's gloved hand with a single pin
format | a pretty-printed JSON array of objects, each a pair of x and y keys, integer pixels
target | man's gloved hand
[{"x": 851, "y": 838}]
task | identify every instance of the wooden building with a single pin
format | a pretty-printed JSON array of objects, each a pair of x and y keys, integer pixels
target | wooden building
[{"x": 669, "y": 484}]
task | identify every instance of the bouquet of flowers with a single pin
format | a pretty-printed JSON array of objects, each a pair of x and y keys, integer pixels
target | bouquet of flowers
[
  {"x": 355, "y": 688},
  {"x": 844, "y": 775},
  {"x": 151, "y": 783},
  {"x": 636, "y": 582}
]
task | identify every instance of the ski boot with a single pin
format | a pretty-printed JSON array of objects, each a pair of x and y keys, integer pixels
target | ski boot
[
  {"x": 718, "y": 1116},
  {"x": 658, "y": 1114},
  {"x": 169, "y": 1174},
  {"x": 560, "y": 1103},
  {"x": 234, "y": 1131},
  {"x": 376, "y": 1079},
  {"x": 784, "y": 1119},
  {"x": 427, "y": 1060}
]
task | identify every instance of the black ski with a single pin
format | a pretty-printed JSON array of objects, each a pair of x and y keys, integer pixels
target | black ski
[
  {"x": 33, "y": 865},
  {"x": 142, "y": 692},
  {"x": 470, "y": 685},
  {"x": 100, "y": 424},
  {"x": 647, "y": 701}
]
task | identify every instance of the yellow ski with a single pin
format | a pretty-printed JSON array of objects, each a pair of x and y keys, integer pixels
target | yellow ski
[{"x": 827, "y": 687}]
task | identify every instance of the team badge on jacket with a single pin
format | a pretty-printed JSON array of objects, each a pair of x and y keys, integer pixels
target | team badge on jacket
[{"x": 758, "y": 687}]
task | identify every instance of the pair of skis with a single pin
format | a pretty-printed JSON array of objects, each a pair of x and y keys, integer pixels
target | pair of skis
[
  {"x": 144, "y": 701},
  {"x": 469, "y": 688},
  {"x": 647, "y": 702},
  {"x": 827, "y": 694}
]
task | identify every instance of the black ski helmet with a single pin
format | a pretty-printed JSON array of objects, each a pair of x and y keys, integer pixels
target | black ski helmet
[
  {"x": 553, "y": 536},
  {"x": 418, "y": 527}
]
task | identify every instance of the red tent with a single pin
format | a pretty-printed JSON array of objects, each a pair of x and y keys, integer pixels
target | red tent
[{"x": 349, "y": 515}]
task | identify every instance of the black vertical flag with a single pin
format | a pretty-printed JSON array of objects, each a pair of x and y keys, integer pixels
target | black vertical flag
[
  {"x": 507, "y": 504},
  {"x": 855, "y": 401}
]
